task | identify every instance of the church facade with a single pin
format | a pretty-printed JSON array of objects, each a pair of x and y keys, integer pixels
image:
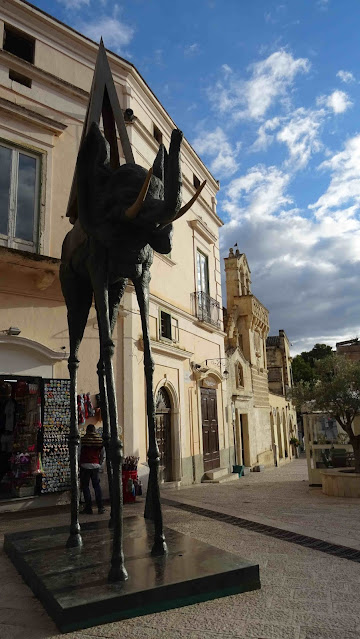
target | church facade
[{"x": 263, "y": 416}]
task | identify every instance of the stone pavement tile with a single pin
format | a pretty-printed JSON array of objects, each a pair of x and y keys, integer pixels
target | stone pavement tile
[
  {"x": 300, "y": 606},
  {"x": 260, "y": 630},
  {"x": 270, "y": 615},
  {"x": 142, "y": 632},
  {"x": 305, "y": 593},
  {"x": 325, "y": 633},
  {"x": 18, "y": 589},
  {"x": 20, "y": 603},
  {"x": 314, "y": 584},
  {"x": 26, "y": 618},
  {"x": 30, "y": 632},
  {"x": 343, "y": 607},
  {"x": 324, "y": 620},
  {"x": 268, "y": 578},
  {"x": 348, "y": 597}
]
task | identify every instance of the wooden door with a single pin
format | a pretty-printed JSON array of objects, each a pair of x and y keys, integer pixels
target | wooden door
[
  {"x": 210, "y": 429},
  {"x": 163, "y": 433}
]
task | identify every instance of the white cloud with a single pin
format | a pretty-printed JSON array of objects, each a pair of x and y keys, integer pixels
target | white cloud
[
  {"x": 345, "y": 76},
  {"x": 338, "y": 101},
  {"x": 304, "y": 263},
  {"x": 344, "y": 188},
  {"x": 265, "y": 138},
  {"x": 116, "y": 34},
  {"x": 215, "y": 145},
  {"x": 257, "y": 194},
  {"x": 301, "y": 135},
  {"x": 270, "y": 80},
  {"x": 192, "y": 49},
  {"x": 74, "y": 4}
]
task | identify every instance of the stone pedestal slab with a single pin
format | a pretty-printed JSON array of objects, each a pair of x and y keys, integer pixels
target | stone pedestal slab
[{"x": 72, "y": 584}]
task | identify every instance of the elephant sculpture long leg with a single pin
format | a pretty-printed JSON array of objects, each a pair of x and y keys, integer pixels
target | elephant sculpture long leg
[
  {"x": 78, "y": 297},
  {"x": 116, "y": 292},
  {"x": 100, "y": 284},
  {"x": 142, "y": 293}
]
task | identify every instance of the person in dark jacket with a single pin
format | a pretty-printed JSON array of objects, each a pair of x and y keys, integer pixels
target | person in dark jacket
[{"x": 91, "y": 459}]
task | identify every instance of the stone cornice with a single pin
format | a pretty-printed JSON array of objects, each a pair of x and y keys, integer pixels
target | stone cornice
[
  {"x": 31, "y": 117},
  {"x": 201, "y": 227},
  {"x": 166, "y": 349},
  {"x": 35, "y": 73},
  {"x": 25, "y": 343}
]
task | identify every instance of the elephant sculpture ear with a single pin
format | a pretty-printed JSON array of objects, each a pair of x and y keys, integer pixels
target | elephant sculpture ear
[
  {"x": 92, "y": 175},
  {"x": 160, "y": 163}
]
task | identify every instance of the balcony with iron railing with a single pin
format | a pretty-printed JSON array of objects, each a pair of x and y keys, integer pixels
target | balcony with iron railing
[{"x": 206, "y": 308}]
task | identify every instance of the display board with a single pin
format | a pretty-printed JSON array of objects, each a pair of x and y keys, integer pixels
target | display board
[{"x": 56, "y": 429}]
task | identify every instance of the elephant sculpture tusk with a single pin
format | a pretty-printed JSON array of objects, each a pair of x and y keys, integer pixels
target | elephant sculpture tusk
[
  {"x": 187, "y": 206},
  {"x": 134, "y": 209}
]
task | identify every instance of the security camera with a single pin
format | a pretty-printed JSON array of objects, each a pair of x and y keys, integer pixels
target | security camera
[{"x": 128, "y": 115}]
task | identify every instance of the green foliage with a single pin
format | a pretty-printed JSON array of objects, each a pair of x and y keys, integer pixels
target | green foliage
[
  {"x": 336, "y": 392},
  {"x": 320, "y": 351},
  {"x": 304, "y": 365},
  {"x": 302, "y": 371}
]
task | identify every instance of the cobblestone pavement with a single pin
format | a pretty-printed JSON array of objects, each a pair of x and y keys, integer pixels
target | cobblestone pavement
[{"x": 305, "y": 594}]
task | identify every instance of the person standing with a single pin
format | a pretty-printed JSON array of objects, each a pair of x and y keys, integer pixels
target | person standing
[{"x": 91, "y": 460}]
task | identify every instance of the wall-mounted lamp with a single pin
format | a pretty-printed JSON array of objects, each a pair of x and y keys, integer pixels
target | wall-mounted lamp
[
  {"x": 13, "y": 330},
  {"x": 218, "y": 362}
]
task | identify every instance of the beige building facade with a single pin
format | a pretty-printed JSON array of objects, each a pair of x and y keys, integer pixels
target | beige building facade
[
  {"x": 46, "y": 71},
  {"x": 262, "y": 414}
]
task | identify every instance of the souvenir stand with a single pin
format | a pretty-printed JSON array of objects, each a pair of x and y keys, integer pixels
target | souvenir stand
[
  {"x": 20, "y": 430},
  {"x": 56, "y": 429}
]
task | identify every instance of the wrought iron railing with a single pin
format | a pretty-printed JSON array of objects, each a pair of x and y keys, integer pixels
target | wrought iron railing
[{"x": 206, "y": 308}]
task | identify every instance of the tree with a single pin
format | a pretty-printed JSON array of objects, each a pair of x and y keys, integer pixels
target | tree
[
  {"x": 303, "y": 365},
  {"x": 319, "y": 351},
  {"x": 302, "y": 370},
  {"x": 336, "y": 392}
]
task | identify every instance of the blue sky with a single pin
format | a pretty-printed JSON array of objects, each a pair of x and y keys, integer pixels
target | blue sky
[{"x": 268, "y": 94}]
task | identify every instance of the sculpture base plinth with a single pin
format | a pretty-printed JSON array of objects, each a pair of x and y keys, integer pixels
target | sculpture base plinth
[{"x": 72, "y": 584}]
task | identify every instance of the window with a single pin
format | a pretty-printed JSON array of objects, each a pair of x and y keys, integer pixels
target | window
[
  {"x": 19, "y": 192},
  {"x": 18, "y": 43},
  {"x": 21, "y": 79},
  {"x": 174, "y": 329},
  {"x": 157, "y": 134},
  {"x": 202, "y": 273},
  {"x": 169, "y": 327},
  {"x": 196, "y": 181}
]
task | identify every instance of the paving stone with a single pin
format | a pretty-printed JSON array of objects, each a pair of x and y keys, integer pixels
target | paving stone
[
  {"x": 320, "y": 596},
  {"x": 122, "y": 632},
  {"x": 346, "y": 608},
  {"x": 269, "y": 631},
  {"x": 325, "y": 620},
  {"x": 325, "y": 633},
  {"x": 347, "y": 597}
]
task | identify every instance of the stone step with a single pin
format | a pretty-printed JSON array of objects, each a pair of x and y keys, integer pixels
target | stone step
[
  {"x": 222, "y": 480},
  {"x": 216, "y": 473},
  {"x": 168, "y": 485}
]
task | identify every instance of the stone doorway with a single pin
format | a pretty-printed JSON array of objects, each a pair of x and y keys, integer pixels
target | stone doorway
[
  {"x": 163, "y": 434},
  {"x": 210, "y": 432}
]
